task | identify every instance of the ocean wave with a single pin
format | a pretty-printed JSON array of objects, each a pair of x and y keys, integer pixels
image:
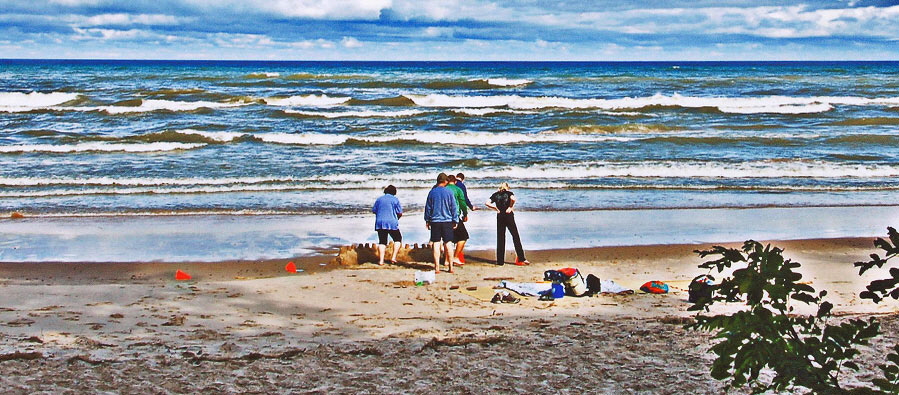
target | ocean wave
[
  {"x": 741, "y": 105},
  {"x": 23, "y": 102},
  {"x": 139, "y": 182},
  {"x": 396, "y": 101},
  {"x": 655, "y": 175},
  {"x": 697, "y": 169},
  {"x": 628, "y": 128},
  {"x": 506, "y": 82},
  {"x": 479, "y": 112},
  {"x": 262, "y": 75},
  {"x": 875, "y": 121},
  {"x": 306, "y": 101},
  {"x": 357, "y": 114},
  {"x": 160, "y": 105},
  {"x": 98, "y": 147}
]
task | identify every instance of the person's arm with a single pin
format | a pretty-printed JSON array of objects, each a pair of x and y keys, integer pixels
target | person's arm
[
  {"x": 491, "y": 206},
  {"x": 460, "y": 201},
  {"x": 455, "y": 210},
  {"x": 428, "y": 208},
  {"x": 511, "y": 203},
  {"x": 399, "y": 209},
  {"x": 467, "y": 200}
]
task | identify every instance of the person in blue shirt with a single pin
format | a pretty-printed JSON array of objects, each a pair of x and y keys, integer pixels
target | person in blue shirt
[
  {"x": 388, "y": 211},
  {"x": 460, "y": 182},
  {"x": 441, "y": 217}
]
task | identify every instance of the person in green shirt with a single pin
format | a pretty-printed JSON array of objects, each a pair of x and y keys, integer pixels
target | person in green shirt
[{"x": 460, "y": 234}]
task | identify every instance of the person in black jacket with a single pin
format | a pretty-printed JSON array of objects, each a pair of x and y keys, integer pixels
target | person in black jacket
[{"x": 503, "y": 201}]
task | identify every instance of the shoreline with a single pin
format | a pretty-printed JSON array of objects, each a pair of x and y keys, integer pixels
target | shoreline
[{"x": 215, "y": 238}]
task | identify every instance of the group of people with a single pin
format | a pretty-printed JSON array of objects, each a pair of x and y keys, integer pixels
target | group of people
[{"x": 446, "y": 211}]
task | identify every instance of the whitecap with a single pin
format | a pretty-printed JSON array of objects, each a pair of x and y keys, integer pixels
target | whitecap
[
  {"x": 307, "y": 100},
  {"x": 357, "y": 114},
  {"x": 99, "y": 147},
  {"x": 22, "y": 102}
]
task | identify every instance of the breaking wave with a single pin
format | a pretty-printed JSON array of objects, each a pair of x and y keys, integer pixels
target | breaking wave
[
  {"x": 739, "y": 105},
  {"x": 356, "y": 114},
  {"x": 655, "y": 175},
  {"x": 23, "y": 102},
  {"x": 306, "y": 100},
  {"x": 98, "y": 147}
]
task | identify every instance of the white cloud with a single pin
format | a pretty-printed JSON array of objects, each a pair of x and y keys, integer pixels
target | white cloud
[
  {"x": 112, "y": 34},
  {"x": 128, "y": 19},
  {"x": 310, "y": 44},
  {"x": 317, "y": 9},
  {"x": 350, "y": 42}
]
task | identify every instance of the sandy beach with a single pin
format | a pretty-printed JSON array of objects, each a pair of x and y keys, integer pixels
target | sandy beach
[{"x": 249, "y": 326}]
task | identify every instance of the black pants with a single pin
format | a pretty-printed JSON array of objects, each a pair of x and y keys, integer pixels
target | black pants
[{"x": 503, "y": 222}]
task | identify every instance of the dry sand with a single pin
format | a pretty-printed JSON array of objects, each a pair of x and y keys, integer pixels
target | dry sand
[{"x": 252, "y": 327}]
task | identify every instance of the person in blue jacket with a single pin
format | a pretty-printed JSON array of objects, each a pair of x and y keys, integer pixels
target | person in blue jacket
[
  {"x": 388, "y": 211},
  {"x": 441, "y": 217}
]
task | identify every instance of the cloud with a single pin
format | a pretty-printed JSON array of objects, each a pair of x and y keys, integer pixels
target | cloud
[
  {"x": 350, "y": 42},
  {"x": 527, "y": 29},
  {"x": 122, "y": 19}
]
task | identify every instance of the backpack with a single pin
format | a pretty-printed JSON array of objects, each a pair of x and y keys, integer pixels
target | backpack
[{"x": 701, "y": 288}]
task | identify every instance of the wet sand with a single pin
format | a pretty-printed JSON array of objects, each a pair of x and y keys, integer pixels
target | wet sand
[{"x": 250, "y": 326}]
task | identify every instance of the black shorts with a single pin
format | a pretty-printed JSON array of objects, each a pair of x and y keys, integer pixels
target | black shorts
[
  {"x": 442, "y": 230},
  {"x": 394, "y": 234},
  {"x": 460, "y": 234}
]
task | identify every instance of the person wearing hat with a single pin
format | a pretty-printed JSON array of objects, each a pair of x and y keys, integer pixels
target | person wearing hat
[
  {"x": 502, "y": 202},
  {"x": 441, "y": 217}
]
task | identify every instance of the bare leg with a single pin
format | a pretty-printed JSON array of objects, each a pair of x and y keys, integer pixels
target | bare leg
[
  {"x": 396, "y": 249},
  {"x": 436, "y": 247},
  {"x": 450, "y": 251},
  {"x": 382, "y": 250},
  {"x": 460, "y": 246}
]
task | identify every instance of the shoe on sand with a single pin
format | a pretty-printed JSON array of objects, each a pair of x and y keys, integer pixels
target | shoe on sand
[
  {"x": 460, "y": 260},
  {"x": 504, "y": 297},
  {"x": 522, "y": 263}
]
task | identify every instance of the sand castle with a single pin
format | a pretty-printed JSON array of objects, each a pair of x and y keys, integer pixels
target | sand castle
[{"x": 368, "y": 253}]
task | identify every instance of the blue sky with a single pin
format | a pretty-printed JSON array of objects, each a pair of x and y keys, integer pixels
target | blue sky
[{"x": 450, "y": 29}]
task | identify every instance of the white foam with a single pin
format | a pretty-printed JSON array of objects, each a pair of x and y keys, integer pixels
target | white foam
[
  {"x": 21, "y": 102},
  {"x": 307, "y": 101},
  {"x": 489, "y": 138},
  {"x": 157, "y": 105},
  {"x": 302, "y": 138},
  {"x": 675, "y": 169},
  {"x": 115, "y": 181},
  {"x": 99, "y": 147},
  {"x": 357, "y": 114},
  {"x": 507, "y": 82},
  {"x": 744, "y": 105},
  {"x": 477, "y": 112}
]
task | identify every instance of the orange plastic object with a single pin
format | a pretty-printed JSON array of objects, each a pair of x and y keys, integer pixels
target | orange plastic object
[{"x": 179, "y": 275}]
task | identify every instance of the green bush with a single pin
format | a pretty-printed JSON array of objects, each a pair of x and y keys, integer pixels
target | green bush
[
  {"x": 766, "y": 335},
  {"x": 879, "y": 289}
]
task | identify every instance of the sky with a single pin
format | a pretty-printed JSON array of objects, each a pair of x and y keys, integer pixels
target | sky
[{"x": 509, "y": 30}]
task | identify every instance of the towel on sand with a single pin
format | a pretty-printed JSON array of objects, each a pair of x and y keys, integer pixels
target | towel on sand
[
  {"x": 609, "y": 286},
  {"x": 527, "y": 289}
]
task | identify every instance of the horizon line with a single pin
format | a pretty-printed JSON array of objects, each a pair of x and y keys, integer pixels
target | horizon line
[{"x": 449, "y": 61}]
